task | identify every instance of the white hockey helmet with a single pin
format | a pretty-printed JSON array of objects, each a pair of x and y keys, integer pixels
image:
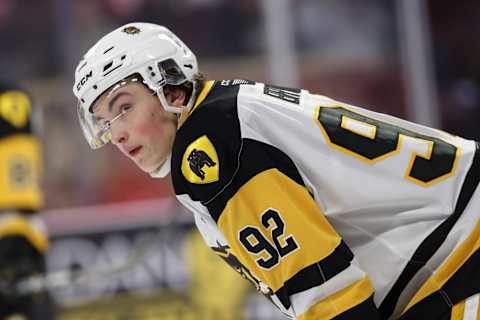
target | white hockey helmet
[{"x": 150, "y": 50}]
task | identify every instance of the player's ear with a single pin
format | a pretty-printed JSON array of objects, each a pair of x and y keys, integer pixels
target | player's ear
[{"x": 175, "y": 95}]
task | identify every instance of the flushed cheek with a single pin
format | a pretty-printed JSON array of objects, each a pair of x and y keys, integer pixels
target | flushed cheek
[
  {"x": 149, "y": 129},
  {"x": 152, "y": 139}
]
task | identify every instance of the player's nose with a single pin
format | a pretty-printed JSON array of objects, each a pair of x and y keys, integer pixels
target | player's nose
[{"x": 119, "y": 134}]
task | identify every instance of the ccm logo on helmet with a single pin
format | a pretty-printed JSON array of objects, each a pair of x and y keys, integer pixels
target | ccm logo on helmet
[{"x": 84, "y": 80}]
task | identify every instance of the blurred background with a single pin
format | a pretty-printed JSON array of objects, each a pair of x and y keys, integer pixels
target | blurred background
[{"x": 410, "y": 58}]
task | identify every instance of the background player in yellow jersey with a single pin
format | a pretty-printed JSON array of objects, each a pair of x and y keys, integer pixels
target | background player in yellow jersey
[
  {"x": 23, "y": 238},
  {"x": 332, "y": 211}
]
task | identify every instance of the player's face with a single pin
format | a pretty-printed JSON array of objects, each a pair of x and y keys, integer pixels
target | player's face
[{"x": 143, "y": 131}]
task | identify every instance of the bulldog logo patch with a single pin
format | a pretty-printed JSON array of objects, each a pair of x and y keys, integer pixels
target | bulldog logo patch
[{"x": 200, "y": 162}]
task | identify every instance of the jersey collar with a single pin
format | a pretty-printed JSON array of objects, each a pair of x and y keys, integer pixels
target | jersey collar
[{"x": 203, "y": 94}]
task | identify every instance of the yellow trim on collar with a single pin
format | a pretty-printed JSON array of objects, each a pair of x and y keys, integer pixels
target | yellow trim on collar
[{"x": 203, "y": 94}]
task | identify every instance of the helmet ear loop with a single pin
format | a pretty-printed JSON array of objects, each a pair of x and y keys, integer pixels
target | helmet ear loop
[
  {"x": 163, "y": 101},
  {"x": 193, "y": 98},
  {"x": 167, "y": 106}
]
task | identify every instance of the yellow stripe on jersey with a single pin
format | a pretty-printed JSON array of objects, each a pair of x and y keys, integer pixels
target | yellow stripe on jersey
[
  {"x": 468, "y": 309},
  {"x": 458, "y": 311},
  {"x": 20, "y": 226},
  {"x": 456, "y": 259},
  {"x": 340, "y": 302},
  {"x": 303, "y": 220},
  {"x": 20, "y": 166}
]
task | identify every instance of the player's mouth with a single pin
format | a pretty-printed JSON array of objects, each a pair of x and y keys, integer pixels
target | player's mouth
[{"x": 134, "y": 151}]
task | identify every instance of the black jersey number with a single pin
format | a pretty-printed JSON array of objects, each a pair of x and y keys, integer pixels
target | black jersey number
[
  {"x": 255, "y": 242},
  {"x": 378, "y": 140}
]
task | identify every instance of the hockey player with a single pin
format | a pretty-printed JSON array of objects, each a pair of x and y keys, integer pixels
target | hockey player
[
  {"x": 332, "y": 211},
  {"x": 23, "y": 238}
]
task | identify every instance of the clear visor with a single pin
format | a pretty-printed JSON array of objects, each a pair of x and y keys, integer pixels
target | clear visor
[
  {"x": 96, "y": 130},
  {"x": 93, "y": 133}
]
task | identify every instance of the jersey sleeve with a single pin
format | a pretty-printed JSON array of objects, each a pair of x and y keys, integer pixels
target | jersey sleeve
[{"x": 207, "y": 145}]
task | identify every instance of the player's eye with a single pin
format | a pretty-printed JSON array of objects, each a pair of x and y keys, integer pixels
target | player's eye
[{"x": 124, "y": 108}]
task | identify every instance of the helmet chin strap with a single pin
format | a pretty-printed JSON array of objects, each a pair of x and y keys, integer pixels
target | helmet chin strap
[{"x": 163, "y": 170}]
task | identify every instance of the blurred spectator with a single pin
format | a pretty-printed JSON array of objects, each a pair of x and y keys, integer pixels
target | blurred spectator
[{"x": 457, "y": 65}]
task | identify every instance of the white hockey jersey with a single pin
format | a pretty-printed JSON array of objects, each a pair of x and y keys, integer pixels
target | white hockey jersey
[{"x": 331, "y": 210}]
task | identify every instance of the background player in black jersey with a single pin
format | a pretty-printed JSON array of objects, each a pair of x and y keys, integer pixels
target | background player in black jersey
[{"x": 23, "y": 237}]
